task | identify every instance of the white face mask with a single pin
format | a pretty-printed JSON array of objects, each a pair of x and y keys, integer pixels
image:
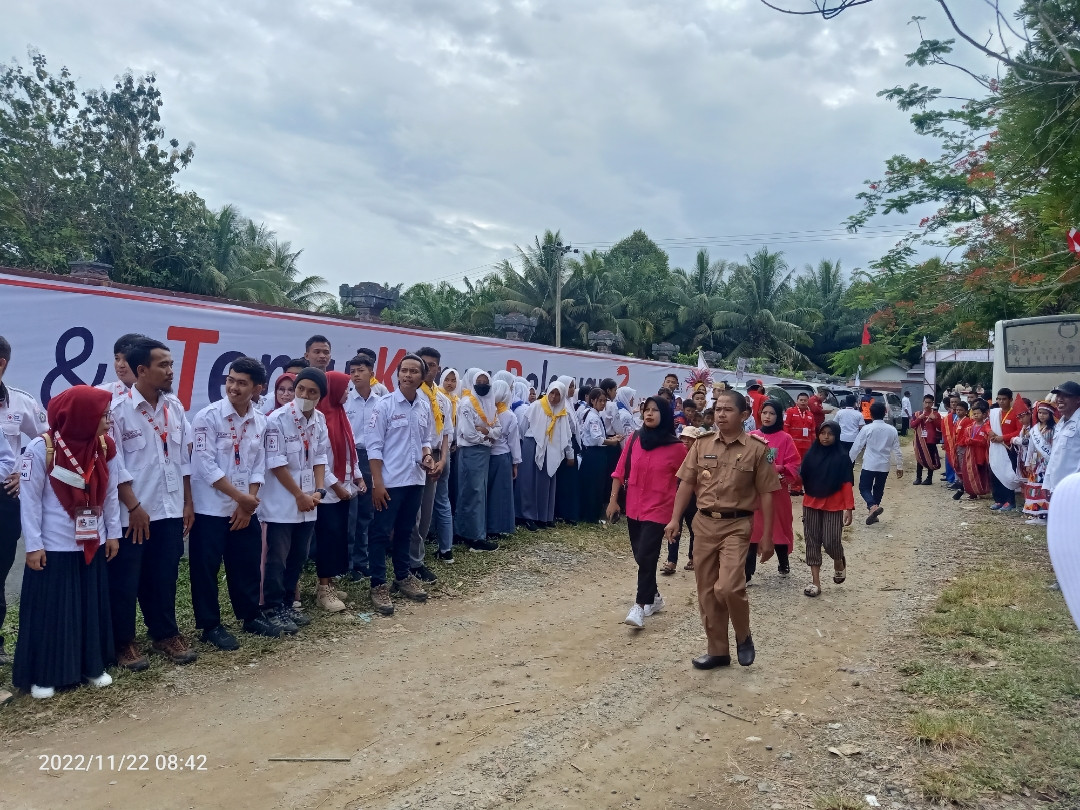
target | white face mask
[{"x": 306, "y": 405}]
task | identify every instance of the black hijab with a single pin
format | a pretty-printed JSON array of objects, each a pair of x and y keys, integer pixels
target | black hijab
[
  {"x": 778, "y": 425},
  {"x": 663, "y": 433},
  {"x": 825, "y": 470}
]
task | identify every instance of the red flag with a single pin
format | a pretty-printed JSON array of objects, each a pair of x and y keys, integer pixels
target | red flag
[
  {"x": 1073, "y": 240},
  {"x": 866, "y": 334}
]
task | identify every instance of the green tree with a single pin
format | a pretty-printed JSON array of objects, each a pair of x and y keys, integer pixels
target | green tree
[{"x": 697, "y": 296}]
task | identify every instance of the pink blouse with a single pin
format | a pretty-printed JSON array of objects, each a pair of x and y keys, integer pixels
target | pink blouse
[{"x": 650, "y": 494}]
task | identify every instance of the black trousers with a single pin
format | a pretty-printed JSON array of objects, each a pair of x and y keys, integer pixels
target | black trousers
[
  {"x": 872, "y": 486},
  {"x": 146, "y": 572},
  {"x": 750, "y": 568},
  {"x": 332, "y": 539},
  {"x": 361, "y": 512},
  {"x": 1001, "y": 493},
  {"x": 210, "y": 543},
  {"x": 10, "y": 530},
  {"x": 286, "y": 551},
  {"x": 688, "y": 520},
  {"x": 393, "y": 526},
  {"x": 905, "y": 423},
  {"x": 646, "y": 539}
]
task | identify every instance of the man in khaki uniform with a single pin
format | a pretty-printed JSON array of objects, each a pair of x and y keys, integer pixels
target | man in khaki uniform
[{"x": 729, "y": 472}]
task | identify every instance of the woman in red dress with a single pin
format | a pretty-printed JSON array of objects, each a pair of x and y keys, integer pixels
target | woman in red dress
[{"x": 974, "y": 437}]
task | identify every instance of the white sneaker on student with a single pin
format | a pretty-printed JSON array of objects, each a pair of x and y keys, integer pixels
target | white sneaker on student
[
  {"x": 1035, "y": 521},
  {"x": 655, "y": 607},
  {"x": 101, "y": 681},
  {"x": 636, "y": 617},
  {"x": 41, "y": 692}
]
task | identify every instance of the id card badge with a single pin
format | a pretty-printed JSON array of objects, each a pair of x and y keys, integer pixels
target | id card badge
[
  {"x": 240, "y": 480},
  {"x": 87, "y": 525},
  {"x": 172, "y": 478},
  {"x": 924, "y": 434},
  {"x": 805, "y": 432},
  {"x": 307, "y": 481}
]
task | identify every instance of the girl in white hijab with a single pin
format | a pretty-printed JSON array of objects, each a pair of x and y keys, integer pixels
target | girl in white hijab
[
  {"x": 548, "y": 441},
  {"x": 477, "y": 431},
  {"x": 567, "y": 489},
  {"x": 503, "y": 467},
  {"x": 626, "y": 417}
]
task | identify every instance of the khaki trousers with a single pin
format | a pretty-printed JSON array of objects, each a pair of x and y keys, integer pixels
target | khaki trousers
[{"x": 719, "y": 567}]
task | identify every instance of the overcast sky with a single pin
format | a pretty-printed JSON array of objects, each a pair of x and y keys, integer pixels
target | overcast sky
[{"x": 411, "y": 140}]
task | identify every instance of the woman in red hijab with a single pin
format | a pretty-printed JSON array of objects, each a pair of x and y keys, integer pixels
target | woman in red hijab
[
  {"x": 71, "y": 526},
  {"x": 343, "y": 481},
  {"x": 283, "y": 391}
]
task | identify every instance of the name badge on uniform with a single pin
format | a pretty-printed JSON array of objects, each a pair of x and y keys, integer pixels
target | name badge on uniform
[
  {"x": 200, "y": 441},
  {"x": 87, "y": 525},
  {"x": 805, "y": 432},
  {"x": 924, "y": 434},
  {"x": 172, "y": 478},
  {"x": 307, "y": 481},
  {"x": 292, "y": 444},
  {"x": 240, "y": 479},
  {"x": 272, "y": 443}
]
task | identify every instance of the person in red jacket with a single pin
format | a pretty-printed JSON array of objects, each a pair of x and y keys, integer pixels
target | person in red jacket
[
  {"x": 756, "y": 393},
  {"x": 799, "y": 425},
  {"x": 817, "y": 407},
  {"x": 974, "y": 437},
  {"x": 927, "y": 426}
]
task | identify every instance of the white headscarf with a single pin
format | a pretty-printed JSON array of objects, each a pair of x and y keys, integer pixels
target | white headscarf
[
  {"x": 486, "y": 402},
  {"x": 502, "y": 376},
  {"x": 549, "y": 454},
  {"x": 520, "y": 391},
  {"x": 566, "y": 380},
  {"x": 500, "y": 391},
  {"x": 625, "y": 396},
  {"x": 443, "y": 376}
]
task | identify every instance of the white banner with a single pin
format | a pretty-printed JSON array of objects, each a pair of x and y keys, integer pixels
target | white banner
[{"x": 62, "y": 334}]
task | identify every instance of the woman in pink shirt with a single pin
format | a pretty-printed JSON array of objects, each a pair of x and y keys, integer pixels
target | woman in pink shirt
[{"x": 654, "y": 456}]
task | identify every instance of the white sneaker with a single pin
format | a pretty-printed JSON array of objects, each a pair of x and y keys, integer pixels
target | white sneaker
[
  {"x": 655, "y": 607},
  {"x": 327, "y": 599},
  {"x": 1035, "y": 521},
  {"x": 41, "y": 692},
  {"x": 636, "y": 617},
  {"x": 101, "y": 681}
]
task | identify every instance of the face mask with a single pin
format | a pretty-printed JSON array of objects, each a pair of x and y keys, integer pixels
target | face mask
[
  {"x": 307, "y": 405},
  {"x": 482, "y": 389}
]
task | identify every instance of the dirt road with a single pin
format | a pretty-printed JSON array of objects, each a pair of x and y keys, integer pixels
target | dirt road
[{"x": 528, "y": 693}]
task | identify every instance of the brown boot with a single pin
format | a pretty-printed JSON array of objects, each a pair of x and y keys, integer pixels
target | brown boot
[
  {"x": 380, "y": 600},
  {"x": 129, "y": 657},
  {"x": 411, "y": 588},
  {"x": 176, "y": 649}
]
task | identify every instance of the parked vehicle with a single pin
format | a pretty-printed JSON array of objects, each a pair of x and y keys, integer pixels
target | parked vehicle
[
  {"x": 773, "y": 392},
  {"x": 841, "y": 393},
  {"x": 894, "y": 405},
  {"x": 830, "y": 404}
]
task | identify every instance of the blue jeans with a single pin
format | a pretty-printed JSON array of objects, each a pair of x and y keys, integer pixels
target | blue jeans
[
  {"x": 872, "y": 486},
  {"x": 396, "y": 520},
  {"x": 950, "y": 473}
]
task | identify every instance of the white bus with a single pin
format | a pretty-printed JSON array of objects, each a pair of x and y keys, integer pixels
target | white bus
[{"x": 1034, "y": 355}]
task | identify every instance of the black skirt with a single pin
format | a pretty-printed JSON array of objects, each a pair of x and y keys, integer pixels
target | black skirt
[
  {"x": 65, "y": 627},
  {"x": 567, "y": 497},
  {"x": 594, "y": 483}
]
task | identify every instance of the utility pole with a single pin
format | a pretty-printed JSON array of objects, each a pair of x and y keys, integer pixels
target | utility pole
[{"x": 557, "y": 251}]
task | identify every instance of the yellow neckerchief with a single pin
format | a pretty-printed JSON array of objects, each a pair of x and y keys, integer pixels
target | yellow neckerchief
[
  {"x": 551, "y": 415},
  {"x": 429, "y": 389},
  {"x": 453, "y": 402},
  {"x": 373, "y": 380},
  {"x": 476, "y": 404},
  {"x": 501, "y": 407}
]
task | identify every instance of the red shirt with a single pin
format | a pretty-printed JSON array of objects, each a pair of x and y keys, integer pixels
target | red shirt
[
  {"x": 928, "y": 422},
  {"x": 818, "y": 410},
  {"x": 653, "y": 481},
  {"x": 843, "y": 498},
  {"x": 1010, "y": 424},
  {"x": 799, "y": 425}
]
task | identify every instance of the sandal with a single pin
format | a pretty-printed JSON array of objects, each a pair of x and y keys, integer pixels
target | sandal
[
  {"x": 689, "y": 566},
  {"x": 668, "y": 568},
  {"x": 812, "y": 590},
  {"x": 841, "y": 574}
]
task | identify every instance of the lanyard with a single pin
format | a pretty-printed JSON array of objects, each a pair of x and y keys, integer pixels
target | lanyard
[
  {"x": 236, "y": 442},
  {"x": 300, "y": 429},
  {"x": 86, "y": 475},
  {"x": 164, "y": 434}
]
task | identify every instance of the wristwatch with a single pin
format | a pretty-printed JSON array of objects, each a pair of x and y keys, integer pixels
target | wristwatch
[{"x": 322, "y": 493}]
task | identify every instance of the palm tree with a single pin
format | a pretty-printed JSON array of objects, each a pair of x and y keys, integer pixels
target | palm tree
[
  {"x": 823, "y": 288},
  {"x": 530, "y": 290},
  {"x": 596, "y": 302},
  {"x": 762, "y": 320},
  {"x": 696, "y": 296}
]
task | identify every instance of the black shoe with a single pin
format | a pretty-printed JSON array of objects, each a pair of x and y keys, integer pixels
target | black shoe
[
  {"x": 356, "y": 575},
  {"x": 958, "y": 494},
  {"x": 288, "y": 626},
  {"x": 711, "y": 661},
  {"x": 447, "y": 557},
  {"x": 530, "y": 525},
  {"x": 546, "y": 524},
  {"x": 746, "y": 651},
  {"x": 460, "y": 541},
  {"x": 929, "y": 480},
  {"x": 917, "y": 482},
  {"x": 221, "y": 638},
  {"x": 264, "y": 624},
  {"x": 297, "y": 616},
  {"x": 483, "y": 545},
  {"x": 424, "y": 574}
]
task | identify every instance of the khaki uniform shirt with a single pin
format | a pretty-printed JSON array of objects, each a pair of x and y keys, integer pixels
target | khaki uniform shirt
[{"x": 726, "y": 476}]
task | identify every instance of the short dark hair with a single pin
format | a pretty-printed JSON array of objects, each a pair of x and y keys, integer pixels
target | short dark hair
[
  {"x": 666, "y": 394},
  {"x": 802, "y": 394},
  {"x": 140, "y": 351},
  {"x": 734, "y": 396},
  {"x": 420, "y": 360},
  {"x": 369, "y": 352},
  {"x": 689, "y": 403},
  {"x": 428, "y": 351},
  {"x": 607, "y": 383},
  {"x": 907, "y": 393},
  {"x": 849, "y": 401},
  {"x": 982, "y": 405},
  {"x": 362, "y": 360},
  {"x": 316, "y": 339},
  {"x": 595, "y": 394},
  {"x": 877, "y": 410},
  {"x": 671, "y": 374},
  {"x": 928, "y": 397},
  {"x": 250, "y": 366},
  {"x": 5, "y": 349},
  {"x": 584, "y": 391},
  {"x": 303, "y": 362},
  {"x": 1005, "y": 392},
  {"x": 963, "y": 404},
  {"x": 122, "y": 342}
]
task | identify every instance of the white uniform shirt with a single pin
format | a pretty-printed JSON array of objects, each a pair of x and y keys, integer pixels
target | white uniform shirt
[
  {"x": 157, "y": 479},
  {"x": 905, "y": 407},
  {"x": 611, "y": 417},
  {"x": 45, "y": 523},
  {"x": 593, "y": 430},
  {"x": 1063, "y": 540},
  {"x": 116, "y": 388},
  {"x": 1064, "y": 452},
  {"x": 20, "y": 415},
  {"x": 359, "y": 411},
  {"x": 468, "y": 426},
  {"x": 399, "y": 435},
  {"x": 851, "y": 422},
  {"x": 226, "y": 444},
  {"x": 300, "y": 445},
  {"x": 625, "y": 423},
  {"x": 508, "y": 438},
  {"x": 7, "y": 460},
  {"x": 882, "y": 445}
]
